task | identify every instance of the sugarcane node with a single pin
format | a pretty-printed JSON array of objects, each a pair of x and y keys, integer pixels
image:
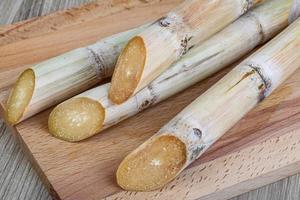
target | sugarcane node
[
  {"x": 151, "y": 100},
  {"x": 173, "y": 23},
  {"x": 144, "y": 105},
  {"x": 264, "y": 91},
  {"x": 184, "y": 45},
  {"x": 154, "y": 96},
  {"x": 198, "y": 133},
  {"x": 247, "y": 5},
  {"x": 262, "y": 94},
  {"x": 197, "y": 152},
  {"x": 99, "y": 63},
  {"x": 164, "y": 22},
  {"x": 261, "y": 86}
]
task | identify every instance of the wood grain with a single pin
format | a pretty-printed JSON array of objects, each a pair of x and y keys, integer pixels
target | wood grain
[
  {"x": 18, "y": 179},
  {"x": 62, "y": 162},
  {"x": 58, "y": 21},
  {"x": 94, "y": 161},
  {"x": 13, "y": 11}
]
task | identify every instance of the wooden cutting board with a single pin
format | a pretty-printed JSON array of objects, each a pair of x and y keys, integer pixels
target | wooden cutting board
[{"x": 262, "y": 148}]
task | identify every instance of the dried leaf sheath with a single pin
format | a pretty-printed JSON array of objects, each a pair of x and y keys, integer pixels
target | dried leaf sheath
[
  {"x": 168, "y": 39},
  {"x": 64, "y": 76},
  {"x": 205, "y": 120},
  {"x": 222, "y": 49}
]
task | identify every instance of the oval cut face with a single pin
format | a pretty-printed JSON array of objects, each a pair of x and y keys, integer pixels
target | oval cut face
[
  {"x": 76, "y": 119},
  {"x": 20, "y": 96},
  {"x": 128, "y": 71},
  {"x": 152, "y": 165}
]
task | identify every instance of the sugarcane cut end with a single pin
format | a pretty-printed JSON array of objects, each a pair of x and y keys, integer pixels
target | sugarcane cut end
[
  {"x": 152, "y": 165},
  {"x": 76, "y": 119},
  {"x": 20, "y": 96},
  {"x": 128, "y": 71}
]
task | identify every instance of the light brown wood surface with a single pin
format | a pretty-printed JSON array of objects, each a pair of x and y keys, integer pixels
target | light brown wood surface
[{"x": 262, "y": 148}]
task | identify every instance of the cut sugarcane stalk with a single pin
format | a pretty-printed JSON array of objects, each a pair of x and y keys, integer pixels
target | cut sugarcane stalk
[
  {"x": 152, "y": 51},
  {"x": 61, "y": 77},
  {"x": 205, "y": 120},
  {"x": 222, "y": 49}
]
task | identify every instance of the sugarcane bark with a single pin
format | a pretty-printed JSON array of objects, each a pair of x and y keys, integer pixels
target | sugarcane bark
[
  {"x": 227, "y": 46},
  {"x": 212, "y": 114},
  {"x": 66, "y": 75},
  {"x": 170, "y": 38}
]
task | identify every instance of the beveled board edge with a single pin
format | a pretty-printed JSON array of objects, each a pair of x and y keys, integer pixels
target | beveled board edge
[
  {"x": 60, "y": 20},
  {"x": 255, "y": 166},
  {"x": 191, "y": 182}
]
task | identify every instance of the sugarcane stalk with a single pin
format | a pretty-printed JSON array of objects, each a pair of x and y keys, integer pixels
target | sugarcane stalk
[
  {"x": 152, "y": 51},
  {"x": 256, "y": 27},
  {"x": 200, "y": 124},
  {"x": 64, "y": 76}
]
